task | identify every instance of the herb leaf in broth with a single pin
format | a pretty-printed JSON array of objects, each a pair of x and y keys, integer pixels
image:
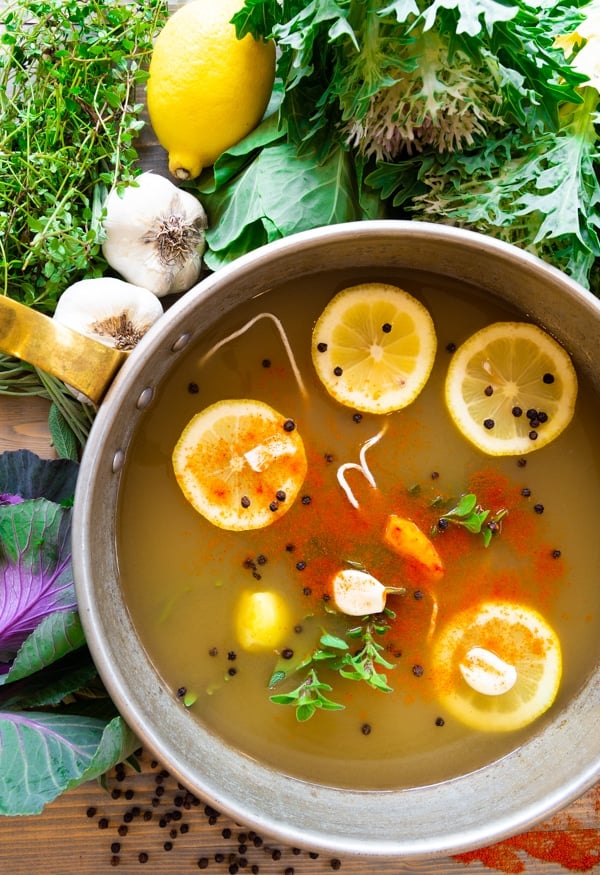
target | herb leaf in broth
[
  {"x": 471, "y": 516},
  {"x": 360, "y": 665}
]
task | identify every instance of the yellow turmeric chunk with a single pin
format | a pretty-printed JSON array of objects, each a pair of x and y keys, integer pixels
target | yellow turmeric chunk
[{"x": 406, "y": 538}]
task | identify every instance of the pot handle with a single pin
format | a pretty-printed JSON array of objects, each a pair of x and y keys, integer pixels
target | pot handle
[{"x": 83, "y": 363}]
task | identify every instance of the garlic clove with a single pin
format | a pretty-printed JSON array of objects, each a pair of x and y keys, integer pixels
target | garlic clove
[
  {"x": 486, "y": 673},
  {"x": 155, "y": 234},
  {"x": 357, "y": 593},
  {"x": 109, "y": 310}
]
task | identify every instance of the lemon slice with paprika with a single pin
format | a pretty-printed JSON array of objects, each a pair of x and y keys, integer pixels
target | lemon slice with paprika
[
  {"x": 240, "y": 464},
  {"x": 373, "y": 347},
  {"x": 497, "y": 666},
  {"x": 511, "y": 388}
]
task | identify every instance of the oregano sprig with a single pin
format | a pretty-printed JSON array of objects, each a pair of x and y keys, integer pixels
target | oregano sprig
[
  {"x": 351, "y": 663},
  {"x": 473, "y": 517}
]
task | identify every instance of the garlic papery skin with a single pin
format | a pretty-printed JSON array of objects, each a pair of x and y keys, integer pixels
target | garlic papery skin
[
  {"x": 109, "y": 310},
  {"x": 486, "y": 673},
  {"x": 155, "y": 234}
]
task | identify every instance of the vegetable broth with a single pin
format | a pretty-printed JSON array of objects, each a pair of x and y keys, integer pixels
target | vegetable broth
[{"x": 182, "y": 586}]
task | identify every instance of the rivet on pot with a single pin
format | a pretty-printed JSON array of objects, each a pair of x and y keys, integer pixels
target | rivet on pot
[
  {"x": 118, "y": 460},
  {"x": 145, "y": 398},
  {"x": 181, "y": 342}
]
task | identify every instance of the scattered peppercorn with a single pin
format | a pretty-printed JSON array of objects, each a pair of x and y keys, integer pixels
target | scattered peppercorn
[
  {"x": 232, "y": 656},
  {"x": 289, "y": 425},
  {"x": 548, "y": 379},
  {"x": 517, "y": 411},
  {"x": 451, "y": 347},
  {"x": 442, "y": 524},
  {"x": 103, "y": 823},
  {"x": 193, "y": 388},
  {"x": 232, "y": 672},
  {"x": 366, "y": 729},
  {"x": 418, "y": 671},
  {"x": 439, "y": 721},
  {"x": 556, "y": 554},
  {"x": 266, "y": 363},
  {"x": 435, "y": 475},
  {"x": 525, "y": 492},
  {"x": 143, "y": 857},
  {"x": 301, "y": 565},
  {"x": 489, "y": 391},
  {"x": 322, "y": 347},
  {"x": 245, "y": 501},
  {"x": 338, "y": 371},
  {"x": 280, "y": 495},
  {"x": 357, "y": 417},
  {"x": 533, "y": 435},
  {"x": 306, "y": 499},
  {"x": 386, "y": 327},
  {"x": 274, "y": 506},
  {"x": 489, "y": 424},
  {"x": 287, "y": 653},
  {"x": 521, "y": 463},
  {"x": 538, "y": 508},
  {"x": 336, "y": 864}
]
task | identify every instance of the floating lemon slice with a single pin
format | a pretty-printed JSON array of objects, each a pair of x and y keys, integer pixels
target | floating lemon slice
[
  {"x": 511, "y": 388},
  {"x": 497, "y": 667},
  {"x": 373, "y": 347},
  {"x": 240, "y": 464}
]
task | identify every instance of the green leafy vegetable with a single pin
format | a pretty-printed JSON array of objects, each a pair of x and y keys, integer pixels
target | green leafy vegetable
[
  {"x": 58, "y": 726},
  {"x": 456, "y": 111}
]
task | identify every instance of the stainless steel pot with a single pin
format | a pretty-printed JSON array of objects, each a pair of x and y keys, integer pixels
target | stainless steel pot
[{"x": 555, "y": 766}]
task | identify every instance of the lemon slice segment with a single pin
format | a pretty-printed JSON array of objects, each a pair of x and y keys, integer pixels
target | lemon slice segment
[
  {"x": 515, "y": 637},
  {"x": 373, "y": 347},
  {"x": 511, "y": 388},
  {"x": 240, "y": 464}
]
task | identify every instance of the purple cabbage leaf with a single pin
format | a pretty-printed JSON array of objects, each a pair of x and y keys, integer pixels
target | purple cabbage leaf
[{"x": 35, "y": 570}]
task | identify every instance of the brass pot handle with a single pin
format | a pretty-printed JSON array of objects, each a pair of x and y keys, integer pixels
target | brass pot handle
[{"x": 83, "y": 363}]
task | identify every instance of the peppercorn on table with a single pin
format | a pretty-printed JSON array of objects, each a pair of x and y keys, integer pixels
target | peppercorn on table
[{"x": 146, "y": 819}]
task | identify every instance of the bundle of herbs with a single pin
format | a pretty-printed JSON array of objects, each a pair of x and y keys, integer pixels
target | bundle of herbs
[
  {"x": 70, "y": 75},
  {"x": 58, "y": 726},
  {"x": 478, "y": 114}
]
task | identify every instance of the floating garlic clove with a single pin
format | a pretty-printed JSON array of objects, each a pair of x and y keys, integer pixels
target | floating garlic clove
[
  {"x": 486, "y": 673},
  {"x": 357, "y": 593},
  {"x": 108, "y": 310},
  {"x": 155, "y": 234}
]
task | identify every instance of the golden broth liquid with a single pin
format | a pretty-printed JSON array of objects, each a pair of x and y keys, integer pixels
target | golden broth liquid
[{"x": 182, "y": 576}]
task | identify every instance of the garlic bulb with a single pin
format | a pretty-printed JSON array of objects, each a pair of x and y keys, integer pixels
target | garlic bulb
[
  {"x": 357, "y": 593},
  {"x": 109, "y": 310},
  {"x": 155, "y": 235}
]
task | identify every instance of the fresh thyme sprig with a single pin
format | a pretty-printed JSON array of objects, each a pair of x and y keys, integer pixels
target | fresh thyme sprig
[
  {"x": 336, "y": 653},
  {"x": 70, "y": 73},
  {"x": 471, "y": 516}
]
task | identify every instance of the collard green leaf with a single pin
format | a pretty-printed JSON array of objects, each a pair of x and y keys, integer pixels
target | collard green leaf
[
  {"x": 43, "y": 754},
  {"x": 251, "y": 209}
]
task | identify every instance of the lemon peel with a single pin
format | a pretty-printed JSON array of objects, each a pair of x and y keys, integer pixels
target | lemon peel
[{"x": 206, "y": 89}]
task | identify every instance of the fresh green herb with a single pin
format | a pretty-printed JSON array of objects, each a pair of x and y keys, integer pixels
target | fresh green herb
[
  {"x": 471, "y": 516},
  {"x": 58, "y": 727},
  {"x": 337, "y": 655},
  {"x": 68, "y": 78}
]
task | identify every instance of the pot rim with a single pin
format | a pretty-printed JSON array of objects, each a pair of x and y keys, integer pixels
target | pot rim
[{"x": 272, "y": 802}]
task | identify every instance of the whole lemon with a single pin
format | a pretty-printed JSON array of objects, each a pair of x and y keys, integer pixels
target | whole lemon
[{"x": 206, "y": 89}]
